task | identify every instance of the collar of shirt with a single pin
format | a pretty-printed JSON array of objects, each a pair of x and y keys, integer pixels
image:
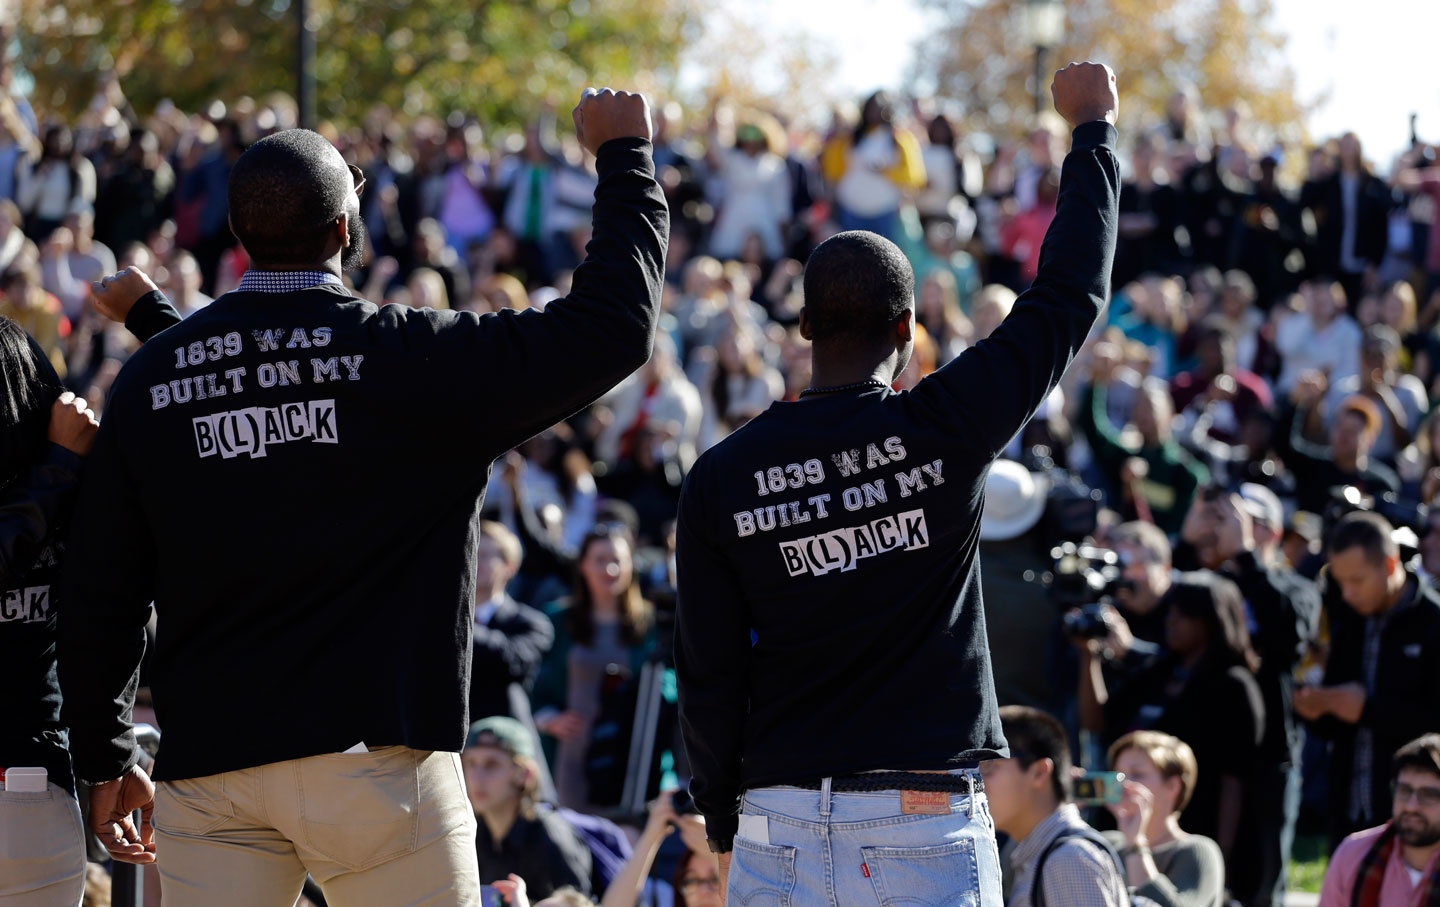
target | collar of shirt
[
  {"x": 1029, "y": 850},
  {"x": 285, "y": 281}
]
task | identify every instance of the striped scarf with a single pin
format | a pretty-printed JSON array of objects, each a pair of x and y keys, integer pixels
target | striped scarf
[{"x": 1371, "y": 877}]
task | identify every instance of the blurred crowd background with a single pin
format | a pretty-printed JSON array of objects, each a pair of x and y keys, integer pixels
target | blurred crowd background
[{"x": 1267, "y": 364}]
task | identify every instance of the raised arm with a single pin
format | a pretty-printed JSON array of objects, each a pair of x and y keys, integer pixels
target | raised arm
[
  {"x": 552, "y": 363},
  {"x": 1023, "y": 360}
]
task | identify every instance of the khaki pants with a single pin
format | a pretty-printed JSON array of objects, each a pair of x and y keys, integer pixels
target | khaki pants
[
  {"x": 388, "y": 827},
  {"x": 42, "y": 849}
]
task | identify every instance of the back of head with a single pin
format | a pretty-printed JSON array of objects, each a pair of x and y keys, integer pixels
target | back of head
[
  {"x": 28, "y": 386},
  {"x": 857, "y": 285},
  {"x": 1216, "y": 601},
  {"x": 1034, "y": 735},
  {"x": 284, "y": 192}
]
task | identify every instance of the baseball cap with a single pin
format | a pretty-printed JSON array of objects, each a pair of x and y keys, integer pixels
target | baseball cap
[
  {"x": 1262, "y": 504},
  {"x": 502, "y": 733}
]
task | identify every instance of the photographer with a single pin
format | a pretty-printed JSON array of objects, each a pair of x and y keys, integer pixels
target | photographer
[
  {"x": 1381, "y": 688},
  {"x": 1201, "y": 690},
  {"x": 1238, "y": 535},
  {"x": 1162, "y": 861}
]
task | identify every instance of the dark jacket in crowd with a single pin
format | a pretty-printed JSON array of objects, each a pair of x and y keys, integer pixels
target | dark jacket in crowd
[
  {"x": 545, "y": 851},
  {"x": 266, "y": 476},
  {"x": 843, "y": 531},
  {"x": 1326, "y": 203},
  {"x": 506, "y": 656},
  {"x": 1404, "y": 702}
]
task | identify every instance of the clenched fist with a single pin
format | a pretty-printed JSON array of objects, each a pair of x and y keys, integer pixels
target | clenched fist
[
  {"x": 604, "y": 115},
  {"x": 117, "y": 294},
  {"x": 72, "y": 424},
  {"x": 1085, "y": 92}
]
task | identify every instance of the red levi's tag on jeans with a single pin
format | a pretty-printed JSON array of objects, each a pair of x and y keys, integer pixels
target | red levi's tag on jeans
[{"x": 924, "y": 802}]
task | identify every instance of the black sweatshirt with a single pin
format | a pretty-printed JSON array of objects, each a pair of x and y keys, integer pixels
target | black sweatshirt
[
  {"x": 843, "y": 531},
  {"x": 35, "y": 509},
  {"x": 272, "y": 475}
]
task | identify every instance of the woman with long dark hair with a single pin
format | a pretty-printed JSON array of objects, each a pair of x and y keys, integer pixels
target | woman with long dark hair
[
  {"x": 44, "y": 433},
  {"x": 1202, "y": 690},
  {"x": 603, "y": 634}
]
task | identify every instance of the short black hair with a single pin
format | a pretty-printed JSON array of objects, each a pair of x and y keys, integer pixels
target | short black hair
[
  {"x": 1422, "y": 753},
  {"x": 857, "y": 285},
  {"x": 1370, "y": 532},
  {"x": 1034, "y": 735},
  {"x": 284, "y": 192}
]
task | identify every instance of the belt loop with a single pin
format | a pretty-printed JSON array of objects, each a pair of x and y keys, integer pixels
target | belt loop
[
  {"x": 970, "y": 779},
  {"x": 825, "y": 799}
]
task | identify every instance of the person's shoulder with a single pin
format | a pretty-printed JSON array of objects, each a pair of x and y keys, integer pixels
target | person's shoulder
[
  {"x": 1203, "y": 849},
  {"x": 1355, "y": 846}
]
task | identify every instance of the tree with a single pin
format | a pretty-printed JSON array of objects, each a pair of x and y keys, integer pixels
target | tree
[
  {"x": 498, "y": 59},
  {"x": 1225, "y": 49}
]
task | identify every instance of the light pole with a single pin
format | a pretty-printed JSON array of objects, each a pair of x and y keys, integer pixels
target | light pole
[
  {"x": 304, "y": 65},
  {"x": 1044, "y": 28}
]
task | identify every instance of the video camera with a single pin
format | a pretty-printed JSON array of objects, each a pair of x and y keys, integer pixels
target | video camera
[{"x": 1083, "y": 580}]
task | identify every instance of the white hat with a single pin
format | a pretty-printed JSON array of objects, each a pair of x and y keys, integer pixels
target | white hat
[
  {"x": 1014, "y": 501},
  {"x": 1262, "y": 504}
]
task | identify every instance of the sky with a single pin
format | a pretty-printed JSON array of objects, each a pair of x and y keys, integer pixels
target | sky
[{"x": 1376, "y": 60}]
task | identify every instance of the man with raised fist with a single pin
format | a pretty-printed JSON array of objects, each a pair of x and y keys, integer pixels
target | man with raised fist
[
  {"x": 835, "y": 685},
  {"x": 254, "y": 477}
]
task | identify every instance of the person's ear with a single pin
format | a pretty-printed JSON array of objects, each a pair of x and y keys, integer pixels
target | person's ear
[
  {"x": 905, "y": 326},
  {"x": 343, "y": 226},
  {"x": 805, "y": 323},
  {"x": 1040, "y": 771}
]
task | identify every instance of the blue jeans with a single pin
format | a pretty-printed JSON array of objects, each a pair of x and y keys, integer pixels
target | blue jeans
[{"x": 807, "y": 848}]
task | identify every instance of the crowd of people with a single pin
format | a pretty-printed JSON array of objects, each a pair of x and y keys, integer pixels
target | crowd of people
[{"x": 1250, "y": 428}]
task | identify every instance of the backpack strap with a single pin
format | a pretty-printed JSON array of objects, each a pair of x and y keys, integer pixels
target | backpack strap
[{"x": 1037, "y": 885}]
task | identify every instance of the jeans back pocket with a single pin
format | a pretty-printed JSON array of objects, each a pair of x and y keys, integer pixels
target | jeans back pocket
[
  {"x": 761, "y": 875},
  {"x": 944, "y": 875}
]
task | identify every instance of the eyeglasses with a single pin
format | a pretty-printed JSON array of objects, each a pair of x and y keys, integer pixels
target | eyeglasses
[
  {"x": 695, "y": 883},
  {"x": 359, "y": 176},
  {"x": 1429, "y": 797}
]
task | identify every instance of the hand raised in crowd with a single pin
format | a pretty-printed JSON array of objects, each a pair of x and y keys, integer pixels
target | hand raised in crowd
[
  {"x": 1309, "y": 388},
  {"x": 72, "y": 424},
  {"x": 1085, "y": 92},
  {"x": 1132, "y": 814},
  {"x": 117, "y": 294},
  {"x": 1234, "y": 527},
  {"x": 512, "y": 890},
  {"x": 604, "y": 115},
  {"x": 112, "y": 808},
  {"x": 564, "y": 726}
]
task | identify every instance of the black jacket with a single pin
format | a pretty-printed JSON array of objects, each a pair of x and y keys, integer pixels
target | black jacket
[
  {"x": 35, "y": 510},
  {"x": 271, "y": 477},
  {"x": 843, "y": 531},
  {"x": 545, "y": 851},
  {"x": 507, "y": 654},
  {"x": 1327, "y": 205},
  {"x": 1406, "y": 700}
]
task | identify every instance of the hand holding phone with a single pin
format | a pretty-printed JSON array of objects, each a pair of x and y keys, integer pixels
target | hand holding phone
[{"x": 1099, "y": 788}]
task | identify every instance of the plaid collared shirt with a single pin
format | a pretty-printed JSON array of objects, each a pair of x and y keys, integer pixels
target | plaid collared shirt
[
  {"x": 285, "y": 281},
  {"x": 1078, "y": 873}
]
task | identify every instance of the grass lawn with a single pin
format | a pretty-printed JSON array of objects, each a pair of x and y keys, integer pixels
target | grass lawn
[{"x": 1308, "y": 860}]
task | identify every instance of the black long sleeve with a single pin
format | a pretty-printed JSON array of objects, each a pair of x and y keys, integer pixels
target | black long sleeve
[
  {"x": 840, "y": 534},
  {"x": 271, "y": 477},
  {"x": 30, "y": 509}
]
